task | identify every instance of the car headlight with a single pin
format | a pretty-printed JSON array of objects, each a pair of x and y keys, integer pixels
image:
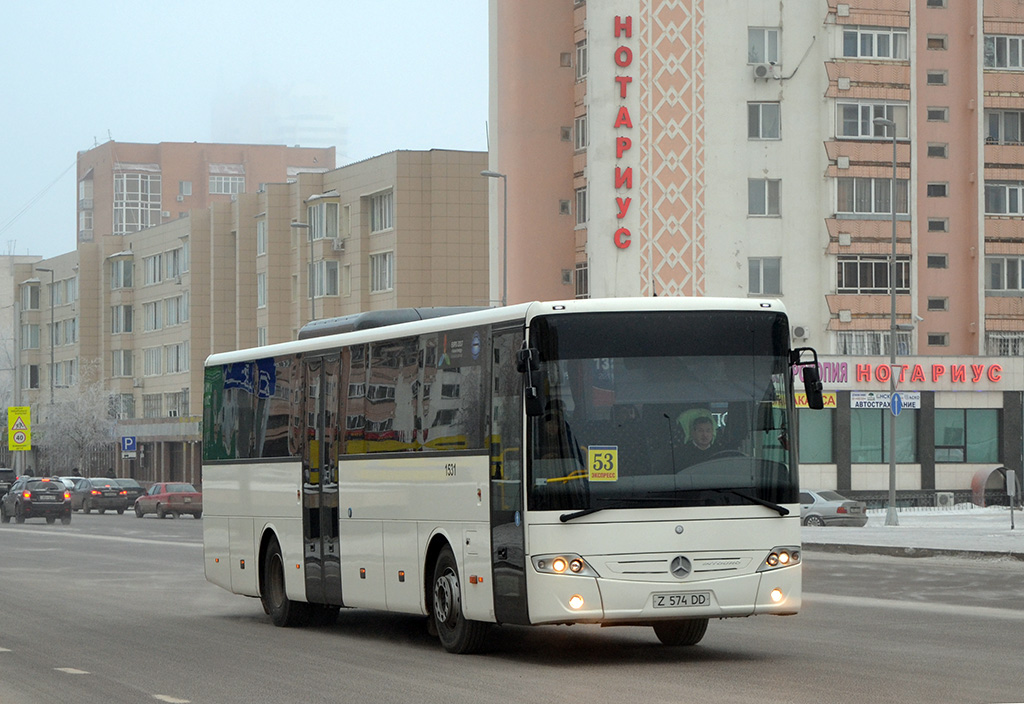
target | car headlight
[
  {"x": 567, "y": 563},
  {"x": 785, "y": 556}
]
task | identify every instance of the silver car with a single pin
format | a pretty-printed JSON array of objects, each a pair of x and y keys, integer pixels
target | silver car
[{"x": 828, "y": 508}]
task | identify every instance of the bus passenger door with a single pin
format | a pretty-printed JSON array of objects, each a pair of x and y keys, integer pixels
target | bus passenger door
[
  {"x": 322, "y": 553},
  {"x": 508, "y": 559}
]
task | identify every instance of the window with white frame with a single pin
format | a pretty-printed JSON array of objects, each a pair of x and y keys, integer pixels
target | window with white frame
[
  {"x": 122, "y": 363},
  {"x": 29, "y": 336},
  {"x": 382, "y": 208},
  {"x": 581, "y": 60},
  {"x": 123, "y": 405},
  {"x": 764, "y": 275},
  {"x": 72, "y": 292},
  {"x": 30, "y": 296},
  {"x": 381, "y": 271},
  {"x": 152, "y": 314},
  {"x": 175, "y": 261},
  {"x": 763, "y": 196},
  {"x": 176, "y": 357},
  {"x": 870, "y": 342},
  {"x": 56, "y": 290},
  {"x": 120, "y": 319},
  {"x": 136, "y": 202},
  {"x": 762, "y": 45},
  {"x": 325, "y": 279},
  {"x": 56, "y": 334},
  {"x": 184, "y": 188},
  {"x": 153, "y": 266},
  {"x": 1004, "y": 198},
  {"x": 582, "y": 280},
  {"x": 261, "y": 336},
  {"x": 323, "y": 220},
  {"x": 175, "y": 310},
  {"x": 1004, "y": 274},
  {"x": 85, "y": 222},
  {"x": 121, "y": 274},
  {"x": 764, "y": 120},
  {"x": 581, "y": 137},
  {"x": 581, "y": 206},
  {"x": 152, "y": 361},
  {"x": 261, "y": 236},
  {"x": 870, "y": 196},
  {"x": 876, "y": 43},
  {"x": 30, "y": 376},
  {"x": 177, "y": 403},
  {"x": 152, "y": 405},
  {"x": 1004, "y": 127},
  {"x": 71, "y": 330},
  {"x": 870, "y": 274},
  {"x": 855, "y": 120},
  {"x": 1004, "y": 344},
  {"x": 227, "y": 185},
  {"x": 1004, "y": 51},
  {"x": 261, "y": 290}
]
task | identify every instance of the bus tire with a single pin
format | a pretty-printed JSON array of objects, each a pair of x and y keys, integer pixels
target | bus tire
[
  {"x": 456, "y": 632},
  {"x": 687, "y": 632},
  {"x": 283, "y": 611}
]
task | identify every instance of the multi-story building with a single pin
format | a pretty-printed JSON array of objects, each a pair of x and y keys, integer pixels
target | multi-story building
[
  {"x": 736, "y": 147},
  {"x": 403, "y": 229}
]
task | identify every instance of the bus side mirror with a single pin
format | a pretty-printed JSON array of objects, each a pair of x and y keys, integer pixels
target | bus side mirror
[
  {"x": 812, "y": 388},
  {"x": 526, "y": 363},
  {"x": 526, "y": 360}
]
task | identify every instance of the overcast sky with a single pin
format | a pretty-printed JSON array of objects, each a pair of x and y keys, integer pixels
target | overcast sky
[{"x": 380, "y": 74}]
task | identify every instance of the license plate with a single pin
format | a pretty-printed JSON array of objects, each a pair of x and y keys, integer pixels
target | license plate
[
  {"x": 46, "y": 497},
  {"x": 188, "y": 499},
  {"x": 681, "y": 599}
]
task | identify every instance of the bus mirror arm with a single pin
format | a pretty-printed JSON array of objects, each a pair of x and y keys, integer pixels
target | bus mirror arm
[
  {"x": 526, "y": 363},
  {"x": 809, "y": 373}
]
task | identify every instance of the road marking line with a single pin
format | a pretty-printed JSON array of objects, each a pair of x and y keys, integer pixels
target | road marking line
[
  {"x": 171, "y": 700},
  {"x": 71, "y": 671},
  {"x": 931, "y": 607},
  {"x": 5, "y": 650}
]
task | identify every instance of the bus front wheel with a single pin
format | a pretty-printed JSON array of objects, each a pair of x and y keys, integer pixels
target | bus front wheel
[
  {"x": 283, "y": 611},
  {"x": 688, "y": 632},
  {"x": 457, "y": 634}
]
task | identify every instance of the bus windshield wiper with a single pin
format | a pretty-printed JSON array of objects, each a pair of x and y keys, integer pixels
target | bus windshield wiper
[
  {"x": 783, "y": 511},
  {"x": 594, "y": 509}
]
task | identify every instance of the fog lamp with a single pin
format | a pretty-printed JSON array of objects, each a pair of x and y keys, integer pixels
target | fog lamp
[
  {"x": 576, "y": 602},
  {"x": 776, "y": 595}
]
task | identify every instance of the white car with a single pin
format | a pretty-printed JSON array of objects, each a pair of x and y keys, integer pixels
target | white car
[{"x": 828, "y": 508}]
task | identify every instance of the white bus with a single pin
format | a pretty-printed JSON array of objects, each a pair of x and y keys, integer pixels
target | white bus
[{"x": 615, "y": 462}]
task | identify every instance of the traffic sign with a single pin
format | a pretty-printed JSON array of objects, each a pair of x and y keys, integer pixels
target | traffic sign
[
  {"x": 896, "y": 404},
  {"x": 19, "y": 428}
]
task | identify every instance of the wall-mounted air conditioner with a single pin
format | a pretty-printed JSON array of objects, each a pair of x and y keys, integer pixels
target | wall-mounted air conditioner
[
  {"x": 339, "y": 244},
  {"x": 768, "y": 70},
  {"x": 181, "y": 199},
  {"x": 800, "y": 332},
  {"x": 944, "y": 499}
]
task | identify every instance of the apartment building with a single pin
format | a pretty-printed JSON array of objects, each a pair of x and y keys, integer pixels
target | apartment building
[{"x": 743, "y": 148}]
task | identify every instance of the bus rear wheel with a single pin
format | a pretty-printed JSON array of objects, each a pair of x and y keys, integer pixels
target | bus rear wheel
[
  {"x": 283, "y": 611},
  {"x": 688, "y": 632},
  {"x": 456, "y": 632}
]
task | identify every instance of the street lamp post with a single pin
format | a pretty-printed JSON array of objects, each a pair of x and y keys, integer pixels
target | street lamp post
[
  {"x": 891, "y": 517},
  {"x": 53, "y": 330},
  {"x": 312, "y": 274},
  {"x": 504, "y": 232}
]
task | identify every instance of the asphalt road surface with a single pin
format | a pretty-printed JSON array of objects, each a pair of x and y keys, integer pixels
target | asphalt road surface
[{"x": 116, "y": 609}]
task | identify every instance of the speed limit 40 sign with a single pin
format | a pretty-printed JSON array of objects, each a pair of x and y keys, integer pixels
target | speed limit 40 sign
[{"x": 19, "y": 428}]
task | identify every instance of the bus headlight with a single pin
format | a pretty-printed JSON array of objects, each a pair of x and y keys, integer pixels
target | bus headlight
[
  {"x": 785, "y": 556},
  {"x": 568, "y": 563}
]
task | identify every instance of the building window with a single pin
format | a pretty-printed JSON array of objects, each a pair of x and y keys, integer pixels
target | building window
[
  {"x": 153, "y": 267},
  {"x": 856, "y": 120},
  {"x": 937, "y": 190},
  {"x": 261, "y": 336},
  {"x": 323, "y": 220},
  {"x": 869, "y": 436},
  {"x": 938, "y": 304},
  {"x": 136, "y": 202},
  {"x": 29, "y": 337},
  {"x": 176, "y": 310},
  {"x": 870, "y": 274},
  {"x": 120, "y": 319},
  {"x": 582, "y": 280},
  {"x": 1002, "y": 51},
  {"x": 184, "y": 188},
  {"x": 937, "y": 261},
  {"x": 764, "y": 120},
  {"x": 227, "y": 185},
  {"x": 936, "y": 42},
  {"x": 30, "y": 376},
  {"x": 381, "y": 272},
  {"x": 938, "y": 339},
  {"x": 581, "y": 60},
  {"x": 581, "y": 206},
  {"x": 815, "y": 436},
  {"x": 175, "y": 263},
  {"x": 582, "y": 138},
  {"x": 938, "y": 150},
  {"x": 763, "y": 196},
  {"x": 261, "y": 236},
  {"x": 764, "y": 275},
  {"x": 152, "y": 314},
  {"x": 938, "y": 114},
  {"x": 261, "y": 290},
  {"x": 1004, "y": 344},
  {"x": 381, "y": 212},
  {"x": 762, "y": 45},
  {"x": 121, "y": 363},
  {"x": 152, "y": 405},
  {"x": 325, "y": 279},
  {"x": 1004, "y": 127},
  {"x": 177, "y": 403},
  {"x": 30, "y": 296},
  {"x": 1004, "y": 198},
  {"x": 121, "y": 274},
  {"x": 1004, "y": 274},
  {"x": 870, "y": 342},
  {"x": 176, "y": 357},
  {"x": 870, "y": 196},
  {"x": 123, "y": 405},
  {"x": 938, "y": 224},
  {"x": 937, "y": 78},
  {"x": 152, "y": 361},
  {"x": 941, "y": 4},
  {"x": 967, "y": 435},
  {"x": 85, "y": 222},
  {"x": 875, "y": 43}
]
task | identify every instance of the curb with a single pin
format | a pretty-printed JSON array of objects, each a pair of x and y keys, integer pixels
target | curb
[{"x": 912, "y": 552}]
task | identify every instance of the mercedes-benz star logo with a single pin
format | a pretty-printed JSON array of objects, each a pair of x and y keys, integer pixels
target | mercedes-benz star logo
[{"x": 680, "y": 567}]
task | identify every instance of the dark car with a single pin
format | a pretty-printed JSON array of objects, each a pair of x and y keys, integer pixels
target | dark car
[
  {"x": 36, "y": 497},
  {"x": 828, "y": 508},
  {"x": 134, "y": 489},
  {"x": 7, "y": 477},
  {"x": 99, "y": 493},
  {"x": 170, "y": 499}
]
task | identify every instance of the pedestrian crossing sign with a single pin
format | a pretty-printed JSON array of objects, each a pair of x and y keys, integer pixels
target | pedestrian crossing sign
[{"x": 19, "y": 428}]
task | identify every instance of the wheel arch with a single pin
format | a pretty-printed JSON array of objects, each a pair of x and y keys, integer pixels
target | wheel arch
[
  {"x": 438, "y": 542},
  {"x": 268, "y": 536}
]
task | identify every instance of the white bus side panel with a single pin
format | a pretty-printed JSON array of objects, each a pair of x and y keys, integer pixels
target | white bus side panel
[
  {"x": 390, "y": 509},
  {"x": 240, "y": 501}
]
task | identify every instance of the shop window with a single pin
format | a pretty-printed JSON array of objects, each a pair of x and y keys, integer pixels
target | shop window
[
  {"x": 815, "y": 436},
  {"x": 966, "y": 435},
  {"x": 869, "y": 436}
]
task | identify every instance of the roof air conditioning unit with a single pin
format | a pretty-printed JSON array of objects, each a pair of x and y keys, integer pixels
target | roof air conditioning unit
[
  {"x": 181, "y": 199},
  {"x": 944, "y": 499},
  {"x": 800, "y": 332}
]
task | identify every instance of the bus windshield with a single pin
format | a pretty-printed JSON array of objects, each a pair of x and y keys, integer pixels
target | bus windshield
[{"x": 680, "y": 408}]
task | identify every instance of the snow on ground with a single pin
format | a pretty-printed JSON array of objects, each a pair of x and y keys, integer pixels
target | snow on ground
[{"x": 963, "y": 527}]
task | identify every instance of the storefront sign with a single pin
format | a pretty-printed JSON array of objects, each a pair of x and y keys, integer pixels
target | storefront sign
[
  {"x": 841, "y": 373},
  {"x": 623, "y": 143},
  {"x": 829, "y": 399},
  {"x": 880, "y": 399}
]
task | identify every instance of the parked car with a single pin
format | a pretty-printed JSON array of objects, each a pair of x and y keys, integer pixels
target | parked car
[
  {"x": 36, "y": 497},
  {"x": 170, "y": 499},
  {"x": 99, "y": 493},
  {"x": 829, "y": 508},
  {"x": 7, "y": 477},
  {"x": 134, "y": 489}
]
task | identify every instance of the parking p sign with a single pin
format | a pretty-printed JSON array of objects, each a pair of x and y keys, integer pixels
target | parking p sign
[{"x": 128, "y": 447}]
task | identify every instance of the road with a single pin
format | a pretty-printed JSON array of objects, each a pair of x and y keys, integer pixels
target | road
[{"x": 116, "y": 609}]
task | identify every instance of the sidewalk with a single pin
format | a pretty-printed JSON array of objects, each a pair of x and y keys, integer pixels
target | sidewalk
[{"x": 961, "y": 531}]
